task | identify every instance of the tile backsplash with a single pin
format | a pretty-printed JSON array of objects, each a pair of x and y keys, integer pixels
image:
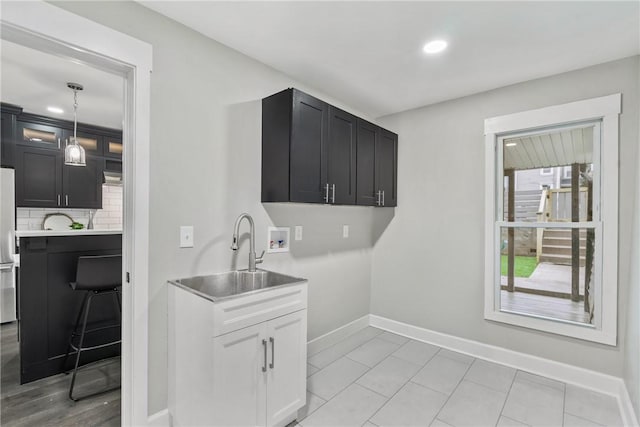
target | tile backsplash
[{"x": 109, "y": 217}]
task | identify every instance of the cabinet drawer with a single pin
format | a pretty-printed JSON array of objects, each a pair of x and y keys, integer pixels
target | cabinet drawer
[{"x": 237, "y": 313}]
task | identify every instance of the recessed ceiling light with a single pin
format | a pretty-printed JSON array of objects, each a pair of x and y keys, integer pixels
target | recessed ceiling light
[
  {"x": 435, "y": 46},
  {"x": 56, "y": 110},
  {"x": 511, "y": 144}
]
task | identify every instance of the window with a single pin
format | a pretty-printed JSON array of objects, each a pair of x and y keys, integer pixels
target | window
[
  {"x": 551, "y": 263},
  {"x": 546, "y": 171}
]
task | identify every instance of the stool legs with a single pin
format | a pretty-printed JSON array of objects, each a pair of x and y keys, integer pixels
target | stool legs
[
  {"x": 84, "y": 328},
  {"x": 74, "y": 333}
]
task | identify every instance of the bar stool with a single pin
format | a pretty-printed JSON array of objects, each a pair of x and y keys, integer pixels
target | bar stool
[{"x": 95, "y": 275}]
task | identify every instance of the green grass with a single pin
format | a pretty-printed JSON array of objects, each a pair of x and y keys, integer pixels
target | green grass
[{"x": 524, "y": 265}]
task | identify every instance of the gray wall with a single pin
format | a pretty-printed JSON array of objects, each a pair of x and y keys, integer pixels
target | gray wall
[
  {"x": 632, "y": 349},
  {"x": 205, "y": 170},
  {"x": 428, "y": 265}
]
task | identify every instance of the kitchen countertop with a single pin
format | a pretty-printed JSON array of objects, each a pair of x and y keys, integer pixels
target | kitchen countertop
[{"x": 47, "y": 233}]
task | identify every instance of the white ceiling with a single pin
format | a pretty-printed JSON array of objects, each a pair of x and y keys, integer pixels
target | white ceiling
[
  {"x": 369, "y": 54},
  {"x": 35, "y": 80}
]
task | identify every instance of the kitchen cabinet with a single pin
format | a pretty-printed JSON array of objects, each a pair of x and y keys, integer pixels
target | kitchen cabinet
[
  {"x": 8, "y": 131},
  {"x": 82, "y": 185},
  {"x": 341, "y": 157},
  {"x": 240, "y": 361},
  {"x": 91, "y": 143},
  {"x": 113, "y": 146},
  {"x": 47, "y": 305},
  {"x": 377, "y": 160},
  {"x": 294, "y": 138},
  {"x": 39, "y": 135},
  {"x": 38, "y": 177},
  {"x": 311, "y": 153},
  {"x": 43, "y": 181}
]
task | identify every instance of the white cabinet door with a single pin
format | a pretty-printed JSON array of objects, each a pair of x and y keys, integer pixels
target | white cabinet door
[
  {"x": 238, "y": 377},
  {"x": 286, "y": 372}
]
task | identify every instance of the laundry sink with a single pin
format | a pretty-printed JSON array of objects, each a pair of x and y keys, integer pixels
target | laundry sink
[{"x": 222, "y": 286}]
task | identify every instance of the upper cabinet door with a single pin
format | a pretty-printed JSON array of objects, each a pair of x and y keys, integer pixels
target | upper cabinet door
[
  {"x": 83, "y": 184},
  {"x": 38, "y": 177},
  {"x": 113, "y": 147},
  {"x": 341, "y": 157},
  {"x": 7, "y": 136},
  {"x": 38, "y": 135},
  {"x": 386, "y": 168},
  {"x": 368, "y": 135},
  {"x": 308, "y": 177},
  {"x": 92, "y": 144}
]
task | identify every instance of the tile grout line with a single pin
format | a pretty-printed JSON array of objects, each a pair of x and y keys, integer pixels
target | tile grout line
[
  {"x": 513, "y": 380},
  {"x": 455, "y": 388},
  {"x": 335, "y": 344}
]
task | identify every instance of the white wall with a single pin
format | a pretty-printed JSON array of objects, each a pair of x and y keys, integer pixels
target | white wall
[
  {"x": 205, "y": 170},
  {"x": 632, "y": 350},
  {"x": 428, "y": 265}
]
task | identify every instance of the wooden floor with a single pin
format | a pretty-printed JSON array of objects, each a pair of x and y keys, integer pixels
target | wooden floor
[
  {"x": 557, "y": 308},
  {"x": 45, "y": 402}
]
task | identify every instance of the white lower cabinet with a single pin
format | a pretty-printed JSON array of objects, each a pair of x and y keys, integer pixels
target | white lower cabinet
[{"x": 252, "y": 376}]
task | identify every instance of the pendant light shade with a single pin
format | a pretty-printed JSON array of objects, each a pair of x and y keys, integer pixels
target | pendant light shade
[{"x": 74, "y": 154}]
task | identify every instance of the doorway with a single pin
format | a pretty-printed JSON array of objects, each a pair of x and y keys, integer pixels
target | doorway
[{"x": 46, "y": 28}]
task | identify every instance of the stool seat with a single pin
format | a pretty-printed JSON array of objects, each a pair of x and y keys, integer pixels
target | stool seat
[
  {"x": 98, "y": 273},
  {"x": 95, "y": 275}
]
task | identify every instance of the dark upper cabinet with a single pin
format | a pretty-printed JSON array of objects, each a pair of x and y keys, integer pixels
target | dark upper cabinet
[
  {"x": 387, "y": 168},
  {"x": 7, "y": 135},
  {"x": 377, "y": 166},
  {"x": 341, "y": 157},
  {"x": 313, "y": 152},
  {"x": 82, "y": 185},
  {"x": 366, "y": 185},
  {"x": 43, "y": 181},
  {"x": 113, "y": 147},
  {"x": 39, "y": 135},
  {"x": 38, "y": 177},
  {"x": 91, "y": 143},
  {"x": 308, "y": 176}
]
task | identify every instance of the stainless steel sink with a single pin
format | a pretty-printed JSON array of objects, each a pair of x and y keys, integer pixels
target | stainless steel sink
[{"x": 231, "y": 284}]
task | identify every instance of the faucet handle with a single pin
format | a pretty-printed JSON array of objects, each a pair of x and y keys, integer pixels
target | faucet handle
[{"x": 260, "y": 258}]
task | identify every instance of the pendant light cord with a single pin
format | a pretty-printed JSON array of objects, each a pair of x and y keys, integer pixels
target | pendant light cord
[{"x": 75, "y": 116}]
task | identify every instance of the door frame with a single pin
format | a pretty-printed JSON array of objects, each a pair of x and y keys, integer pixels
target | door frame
[{"x": 45, "y": 27}]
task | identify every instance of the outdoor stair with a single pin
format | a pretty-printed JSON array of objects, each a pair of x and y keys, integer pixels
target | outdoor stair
[{"x": 556, "y": 246}]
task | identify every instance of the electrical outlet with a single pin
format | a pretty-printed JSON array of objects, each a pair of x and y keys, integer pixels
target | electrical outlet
[
  {"x": 345, "y": 231},
  {"x": 186, "y": 236},
  {"x": 298, "y": 233}
]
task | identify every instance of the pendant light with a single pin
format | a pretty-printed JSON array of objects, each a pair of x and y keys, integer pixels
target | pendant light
[{"x": 74, "y": 153}]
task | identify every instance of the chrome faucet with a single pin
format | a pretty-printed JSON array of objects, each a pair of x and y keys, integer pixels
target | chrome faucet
[{"x": 252, "y": 241}]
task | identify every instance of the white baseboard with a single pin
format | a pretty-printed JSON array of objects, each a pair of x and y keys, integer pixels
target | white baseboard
[
  {"x": 159, "y": 419},
  {"x": 330, "y": 338},
  {"x": 561, "y": 371}
]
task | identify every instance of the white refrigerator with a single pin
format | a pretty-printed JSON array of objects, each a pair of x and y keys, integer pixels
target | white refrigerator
[{"x": 7, "y": 245}]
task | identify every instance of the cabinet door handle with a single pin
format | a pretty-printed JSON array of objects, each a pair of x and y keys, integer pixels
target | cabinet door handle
[
  {"x": 264, "y": 366},
  {"x": 333, "y": 193},
  {"x": 66, "y": 200},
  {"x": 58, "y": 143},
  {"x": 273, "y": 352},
  {"x": 326, "y": 193},
  {"x": 378, "y": 197},
  {"x": 58, "y": 200},
  {"x": 382, "y": 197}
]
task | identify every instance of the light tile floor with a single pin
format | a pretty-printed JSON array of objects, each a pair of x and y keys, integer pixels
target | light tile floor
[{"x": 376, "y": 378}]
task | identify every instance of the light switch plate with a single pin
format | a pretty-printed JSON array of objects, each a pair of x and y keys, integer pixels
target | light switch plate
[
  {"x": 298, "y": 233},
  {"x": 186, "y": 236},
  {"x": 345, "y": 231}
]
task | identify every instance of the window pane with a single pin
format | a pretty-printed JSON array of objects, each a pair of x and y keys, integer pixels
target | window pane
[
  {"x": 548, "y": 272},
  {"x": 548, "y": 176}
]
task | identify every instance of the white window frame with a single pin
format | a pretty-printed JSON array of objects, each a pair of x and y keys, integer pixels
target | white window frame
[
  {"x": 543, "y": 173},
  {"x": 606, "y": 109}
]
